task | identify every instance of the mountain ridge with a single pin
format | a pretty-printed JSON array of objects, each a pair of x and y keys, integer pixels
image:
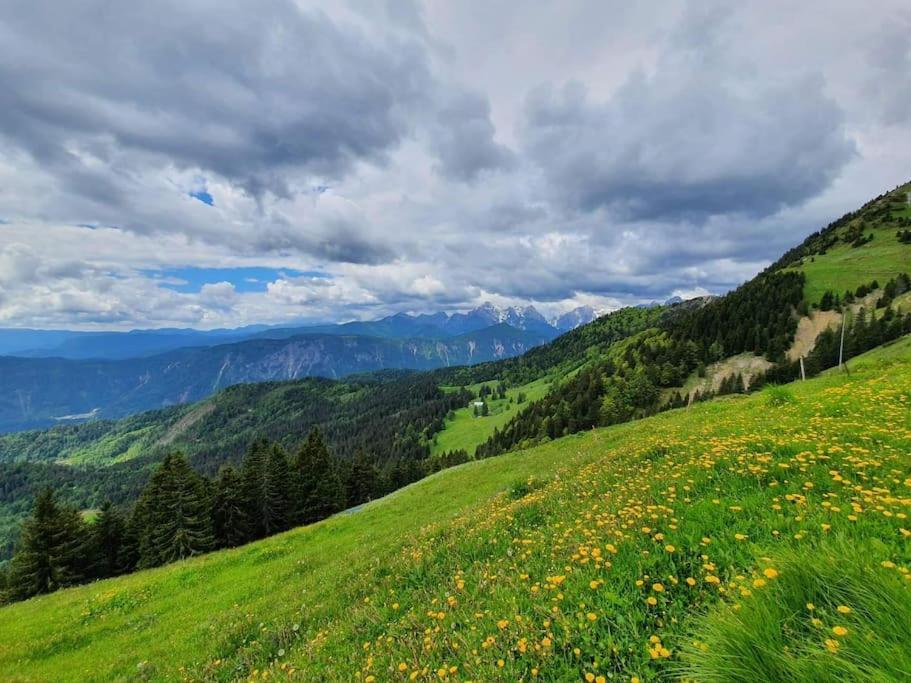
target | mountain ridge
[
  {"x": 41, "y": 390},
  {"x": 79, "y": 345}
]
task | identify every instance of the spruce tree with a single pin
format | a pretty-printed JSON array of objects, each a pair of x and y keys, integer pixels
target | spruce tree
[
  {"x": 107, "y": 537},
  {"x": 128, "y": 557},
  {"x": 229, "y": 513},
  {"x": 267, "y": 489},
  {"x": 277, "y": 509},
  {"x": 51, "y": 552},
  {"x": 175, "y": 514},
  {"x": 318, "y": 489},
  {"x": 362, "y": 480}
]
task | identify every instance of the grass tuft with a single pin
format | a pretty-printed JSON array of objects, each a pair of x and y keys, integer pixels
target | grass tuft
[
  {"x": 837, "y": 613},
  {"x": 777, "y": 396}
]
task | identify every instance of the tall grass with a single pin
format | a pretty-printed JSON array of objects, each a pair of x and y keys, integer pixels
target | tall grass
[{"x": 837, "y": 613}]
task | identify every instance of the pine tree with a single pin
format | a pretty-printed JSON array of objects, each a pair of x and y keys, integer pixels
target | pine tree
[
  {"x": 107, "y": 538},
  {"x": 175, "y": 514},
  {"x": 51, "y": 552},
  {"x": 229, "y": 514},
  {"x": 267, "y": 489},
  {"x": 318, "y": 490},
  {"x": 362, "y": 480},
  {"x": 277, "y": 508},
  {"x": 252, "y": 476}
]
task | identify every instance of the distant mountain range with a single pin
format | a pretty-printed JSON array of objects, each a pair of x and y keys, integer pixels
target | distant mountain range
[
  {"x": 90, "y": 376},
  {"x": 138, "y": 343}
]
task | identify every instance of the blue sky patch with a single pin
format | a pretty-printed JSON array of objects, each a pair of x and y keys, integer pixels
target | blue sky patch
[
  {"x": 250, "y": 279},
  {"x": 204, "y": 197}
]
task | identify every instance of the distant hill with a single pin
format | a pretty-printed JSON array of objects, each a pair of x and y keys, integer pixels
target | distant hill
[
  {"x": 112, "y": 345},
  {"x": 137, "y": 343},
  {"x": 41, "y": 392}
]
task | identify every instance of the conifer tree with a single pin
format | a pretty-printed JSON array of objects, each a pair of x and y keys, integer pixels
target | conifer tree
[
  {"x": 107, "y": 538},
  {"x": 52, "y": 550},
  {"x": 267, "y": 489},
  {"x": 362, "y": 480},
  {"x": 229, "y": 513},
  {"x": 318, "y": 488},
  {"x": 128, "y": 556},
  {"x": 252, "y": 476},
  {"x": 277, "y": 511},
  {"x": 174, "y": 513}
]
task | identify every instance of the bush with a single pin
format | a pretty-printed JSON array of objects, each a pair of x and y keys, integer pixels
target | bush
[
  {"x": 777, "y": 396},
  {"x": 523, "y": 487}
]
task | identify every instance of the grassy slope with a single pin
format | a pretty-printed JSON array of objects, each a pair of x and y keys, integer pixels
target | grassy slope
[
  {"x": 465, "y": 431},
  {"x": 846, "y": 268},
  {"x": 554, "y": 577}
]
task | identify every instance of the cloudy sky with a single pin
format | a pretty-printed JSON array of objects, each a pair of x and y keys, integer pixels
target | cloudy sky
[{"x": 204, "y": 164}]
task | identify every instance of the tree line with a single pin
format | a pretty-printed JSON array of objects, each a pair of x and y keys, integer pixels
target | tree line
[
  {"x": 391, "y": 416},
  {"x": 181, "y": 513}
]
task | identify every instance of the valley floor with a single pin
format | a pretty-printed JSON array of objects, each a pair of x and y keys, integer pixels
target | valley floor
[{"x": 761, "y": 537}]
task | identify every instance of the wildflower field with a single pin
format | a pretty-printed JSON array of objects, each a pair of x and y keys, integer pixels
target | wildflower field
[{"x": 763, "y": 537}]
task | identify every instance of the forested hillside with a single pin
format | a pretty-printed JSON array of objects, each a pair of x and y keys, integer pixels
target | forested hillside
[
  {"x": 833, "y": 269},
  {"x": 389, "y": 417},
  {"x": 41, "y": 392}
]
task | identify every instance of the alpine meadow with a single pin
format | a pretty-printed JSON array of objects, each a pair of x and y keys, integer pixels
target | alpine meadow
[{"x": 455, "y": 342}]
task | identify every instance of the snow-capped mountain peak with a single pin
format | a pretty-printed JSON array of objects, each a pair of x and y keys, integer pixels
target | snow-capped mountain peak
[{"x": 570, "y": 320}]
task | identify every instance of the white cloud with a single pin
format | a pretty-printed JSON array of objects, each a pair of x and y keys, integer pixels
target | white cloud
[{"x": 428, "y": 156}]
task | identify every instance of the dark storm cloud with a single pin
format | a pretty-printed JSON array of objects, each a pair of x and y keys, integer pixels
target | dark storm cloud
[
  {"x": 463, "y": 139},
  {"x": 686, "y": 143},
  {"x": 341, "y": 239},
  {"x": 241, "y": 91}
]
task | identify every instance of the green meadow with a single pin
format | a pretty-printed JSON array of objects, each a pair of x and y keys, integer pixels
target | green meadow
[
  {"x": 765, "y": 535},
  {"x": 466, "y": 430},
  {"x": 847, "y": 268}
]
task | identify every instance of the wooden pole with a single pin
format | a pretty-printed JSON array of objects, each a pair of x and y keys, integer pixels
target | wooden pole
[
  {"x": 841, "y": 346},
  {"x": 803, "y": 374}
]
